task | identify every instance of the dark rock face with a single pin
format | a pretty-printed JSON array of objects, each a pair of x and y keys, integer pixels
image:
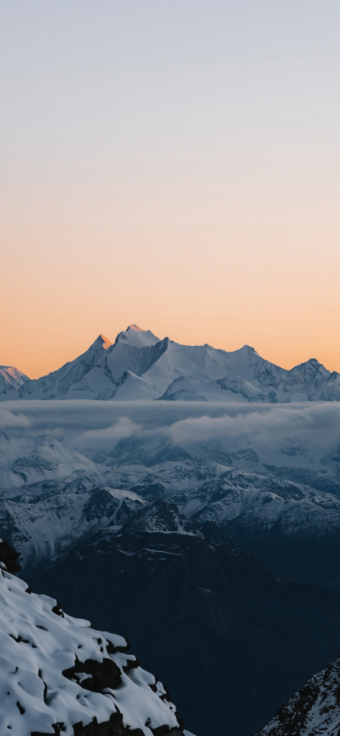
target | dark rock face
[
  {"x": 9, "y": 557},
  {"x": 100, "y": 674},
  {"x": 113, "y": 727},
  {"x": 164, "y": 731},
  {"x": 57, "y": 727},
  {"x": 231, "y": 639}
]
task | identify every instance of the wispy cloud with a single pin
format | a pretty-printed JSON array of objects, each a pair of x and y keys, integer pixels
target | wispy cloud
[
  {"x": 266, "y": 427},
  {"x": 12, "y": 420}
]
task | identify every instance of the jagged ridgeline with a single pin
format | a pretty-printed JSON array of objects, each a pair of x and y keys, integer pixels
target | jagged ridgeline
[
  {"x": 60, "y": 676},
  {"x": 312, "y": 711},
  {"x": 140, "y": 366}
]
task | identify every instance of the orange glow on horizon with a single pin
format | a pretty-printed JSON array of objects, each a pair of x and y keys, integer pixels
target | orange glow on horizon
[
  {"x": 255, "y": 264},
  {"x": 201, "y": 275},
  {"x": 49, "y": 355},
  {"x": 178, "y": 166}
]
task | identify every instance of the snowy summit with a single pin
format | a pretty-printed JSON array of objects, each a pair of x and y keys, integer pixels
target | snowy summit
[{"x": 141, "y": 366}]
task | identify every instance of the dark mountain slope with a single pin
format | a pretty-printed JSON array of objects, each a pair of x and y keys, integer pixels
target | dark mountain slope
[{"x": 236, "y": 640}]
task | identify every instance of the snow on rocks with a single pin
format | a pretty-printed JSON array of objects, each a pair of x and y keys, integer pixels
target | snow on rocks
[
  {"x": 60, "y": 676},
  {"x": 313, "y": 710},
  {"x": 10, "y": 381}
]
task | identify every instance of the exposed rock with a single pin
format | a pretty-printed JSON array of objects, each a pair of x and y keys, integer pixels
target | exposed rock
[
  {"x": 100, "y": 674},
  {"x": 104, "y": 692},
  {"x": 9, "y": 557},
  {"x": 312, "y": 711}
]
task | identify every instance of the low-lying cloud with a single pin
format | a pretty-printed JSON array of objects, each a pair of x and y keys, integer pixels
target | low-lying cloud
[
  {"x": 13, "y": 420},
  {"x": 312, "y": 427}
]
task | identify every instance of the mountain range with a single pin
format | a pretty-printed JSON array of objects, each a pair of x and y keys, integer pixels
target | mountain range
[
  {"x": 192, "y": 502},
  {"x": 52, "y": 494},
  {"x": 140, "y": 366}
]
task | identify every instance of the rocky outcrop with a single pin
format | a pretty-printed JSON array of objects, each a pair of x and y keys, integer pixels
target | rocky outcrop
[
  {"x": 58, "y": 674},
  {"x": 9, "y": 557},
  {"x": 312, "y": 711}
]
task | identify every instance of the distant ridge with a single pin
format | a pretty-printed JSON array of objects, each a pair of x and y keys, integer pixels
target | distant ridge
[
  {"x": 141, "y": 366},
  {"x": 10, "y": 381}
]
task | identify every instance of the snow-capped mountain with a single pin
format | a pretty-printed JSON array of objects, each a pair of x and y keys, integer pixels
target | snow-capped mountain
[
  {"x": 312, "y": 711},
  {"x": 145, "y": 526},
  {"x": 10, "y": 381},
  {"x": 59, "y": 675},
  {"x": 102, "y": 371},
  {"x": 140, "y": 366},
  {"x": 27, "y": 460},
  {"x": 45, "y": 525},
  {"x": 52, "y": 496}
]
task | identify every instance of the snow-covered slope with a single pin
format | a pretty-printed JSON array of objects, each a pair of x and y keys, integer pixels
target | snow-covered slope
[
  {"x": 101, "y": 370},
  {"x": 45, "y": 525},
  {"x": 137, "y": 337},
  {"x": 81, "y": 378},
  {"x": 276, "y": 494},
  {"x": 140, "y": 366},
  {"x": 58, "y": 675},
  {"x": 10, "y": 381},
  {"x": 27, "y": 460},
  {"x": 312, "y": 711},
  {"x": 52, "y": 495}
]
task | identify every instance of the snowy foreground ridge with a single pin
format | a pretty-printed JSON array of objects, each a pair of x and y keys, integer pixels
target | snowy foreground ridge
[{"x": 60, "y": 676}]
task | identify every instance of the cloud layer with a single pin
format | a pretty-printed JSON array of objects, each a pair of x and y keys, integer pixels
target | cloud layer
[{"x": 300, "y": 434}]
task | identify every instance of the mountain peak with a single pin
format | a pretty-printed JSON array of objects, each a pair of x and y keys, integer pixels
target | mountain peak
[
  {"x": 249, "y": 348},
  {"x": 106, "y": 342},
  {"x": 136, "y": 337}
]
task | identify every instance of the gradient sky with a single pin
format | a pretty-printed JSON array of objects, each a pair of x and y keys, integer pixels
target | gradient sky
[{"x": 174, "y": 163}]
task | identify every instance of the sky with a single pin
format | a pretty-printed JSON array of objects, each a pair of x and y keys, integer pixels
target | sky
[{"x": 174, "y": 164}]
